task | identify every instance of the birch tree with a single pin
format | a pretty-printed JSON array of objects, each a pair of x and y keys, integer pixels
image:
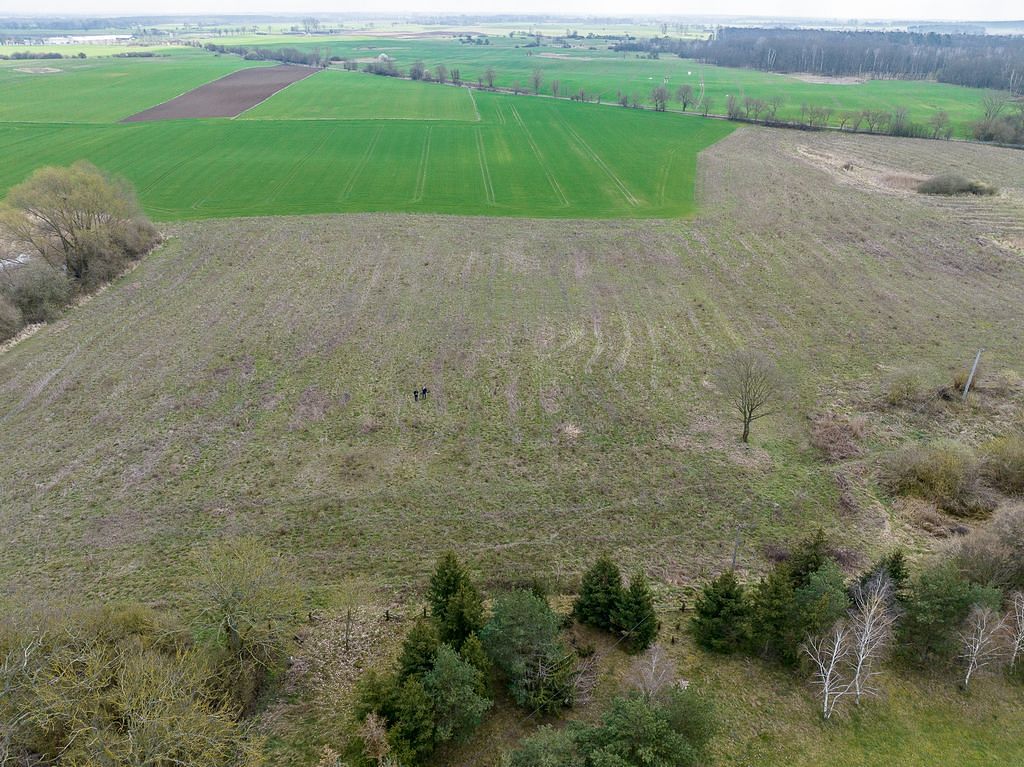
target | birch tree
[
  {"x": 1014, "y": 627},
  {"x": 979, "y": 646},
  {"x": 830, "y": 655},
  {"x": 871, "y": 628}
]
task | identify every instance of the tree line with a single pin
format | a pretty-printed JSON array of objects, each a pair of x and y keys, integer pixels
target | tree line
[{"x": 978, "y": 61}]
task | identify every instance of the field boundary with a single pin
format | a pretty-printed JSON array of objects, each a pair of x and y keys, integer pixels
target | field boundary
[{"x": 268, "y": 98}]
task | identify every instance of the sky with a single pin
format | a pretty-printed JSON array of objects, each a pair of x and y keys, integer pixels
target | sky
[{"x": 840, "y": 9}]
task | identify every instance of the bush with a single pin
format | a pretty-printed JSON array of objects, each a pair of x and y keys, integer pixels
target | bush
[
  {"x": 722, "y": 615},
  {"x": 994, "y": 556},
  {"x": 903, "y": 388},
  {"x": 547, "y": 747},
  {"x": 600, "y": 592},
  {"x": 1003, "y": 463},
  {"x": 952, "y": 184},
  {"x": 837, "y": 436},
  {"x": 40, "y": 291},
  {"x": 11, "y": 321},
  {"x": 123, "y": 675},
  {"x": 945, "y": 473},
  {"x": 453, "y": 685}
]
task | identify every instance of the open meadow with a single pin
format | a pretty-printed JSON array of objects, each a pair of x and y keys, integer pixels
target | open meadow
[{"x": 571, "y": 408}]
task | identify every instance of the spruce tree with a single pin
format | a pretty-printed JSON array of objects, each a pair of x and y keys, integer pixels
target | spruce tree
[
  {"x": 448, "y": 578},
  {"x": 722, "y": 618},
  {"x": 634, "y": 617},
  {"x": 418, "y": 650},
  {"x": 455, "y": 603},
  {"x": 600, "y": 592}
]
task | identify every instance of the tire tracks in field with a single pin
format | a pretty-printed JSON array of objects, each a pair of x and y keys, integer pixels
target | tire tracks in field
[
  {"x": 588, "y": 150},
  {"x": 540, "y": 159},
  {"x": 360, "y": 166},
  {"x": 421, "y": 172},
  {"x": 290, "y": 176},
  {"x": 484, "y": 170}
]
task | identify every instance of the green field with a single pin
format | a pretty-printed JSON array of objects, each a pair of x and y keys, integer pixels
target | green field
[
  {"x": 590, "y": 66},
  {"x": 104, "y": 90},
  {"x": 340, "y": 95},
  {"x": 405, "y": 146}
]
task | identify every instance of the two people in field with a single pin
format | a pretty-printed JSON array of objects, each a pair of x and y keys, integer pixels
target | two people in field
[{"x": 420, "y": 394}]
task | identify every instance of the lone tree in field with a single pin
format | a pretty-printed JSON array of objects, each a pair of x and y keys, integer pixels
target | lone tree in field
[
  {"x": 537, "y": 78},
  {"x": 79, "y": 219},
  {"x": 751, "y": 382},
  {"x": 684, "y": 95},
  {"x": 556, "y": 86},
  {"x": 600, "y": 592},
  {"x": 489, "y": 76},
  {"x": 660, "y": 98},
  {"x": 441, "y": 73}
]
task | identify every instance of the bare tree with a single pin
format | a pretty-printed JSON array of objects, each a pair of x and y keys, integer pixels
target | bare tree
[
  {"x": 489, "y": 76},
  {"x": 556, "y": 86},
  {"x": 978, "y": 645},
  {"x": 660, "y": 98},
  {"x": 684, "y": 95},
  {"x": 537, "y": 78},
  {"x": 751, "y": 382},
  {"x": 441, "y": 72},
  {"x": 652, "y": 672},
  {"x": 706, "y": 105},
  {"x": 1014, "y": 627},
  {"x": 829, "y": 655},
  {"x": 871, "y": 626}
]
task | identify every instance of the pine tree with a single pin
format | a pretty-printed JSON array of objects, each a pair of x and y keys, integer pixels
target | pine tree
[
  {"x": 455, "y": 603},
  {"x": 600, "y": 592},
  {"x": 722, "y": 619},
  {"x": 472, "y": 651},
  {"x": 773, "y": 619},
  {"x": 418, "y": 650},
  {"x": 448, "y": 578},
  {"x": 634, "y": 617}
]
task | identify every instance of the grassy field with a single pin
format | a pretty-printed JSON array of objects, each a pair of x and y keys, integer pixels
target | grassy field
[
  {"x": 341, "y": 95},
  {"x": 505, "y": 156},
  {"x": 590, "y": 66},
  {"x": 103, "y": 90},
  {"x": 254, "y": 377}
]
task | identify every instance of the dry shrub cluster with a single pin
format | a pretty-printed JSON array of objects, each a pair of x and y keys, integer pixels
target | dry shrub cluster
[
  {"x": 943, "y": 472},
  {"x": 949, "y": 184},
  {"x": 838, "y": 436},
  {"x": 994, "y": 555},
  {"x": 904, "y": 387},
  {"x": 1003, "y": 463}
]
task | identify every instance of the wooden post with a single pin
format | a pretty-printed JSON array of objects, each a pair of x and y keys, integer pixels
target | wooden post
[
  {"x": 970, "y": 378},
  {"x": 348, "y": 627}
]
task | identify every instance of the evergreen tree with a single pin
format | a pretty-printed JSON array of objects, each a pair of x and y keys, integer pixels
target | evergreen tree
[
  {"x": 823, "y": 601},
  {"x": 773, "y": 620},
  {"x": 448, "y": 578},
  {"x": 452, "y": 686},
  {"x": 893, "y": 564},
  {"x": 600, "y": 593},
  {"x": 462, "y": 616},
  {"x": 412, "y": 732},
  {"x": 472, "y": 651},
  {"x": 722, "y": 618},
  {"x": 808, "y": 555},
  {"x": 418, "y": 650},
  {"x": 634, "y": 617}
]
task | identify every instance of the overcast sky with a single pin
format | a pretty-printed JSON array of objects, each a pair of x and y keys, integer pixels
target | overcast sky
[{"x": 843, "y": 9}]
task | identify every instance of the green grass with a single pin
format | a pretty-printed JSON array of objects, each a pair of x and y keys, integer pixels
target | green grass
[
  {"x": 526, "y": 156},
  {"x": 103, "y": 90},
  {"x": 341, "y": 95},
  {"x": 605, "y": 73}
]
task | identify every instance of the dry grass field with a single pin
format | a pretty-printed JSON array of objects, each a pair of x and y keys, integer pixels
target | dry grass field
[{"x": 256, "y": 375}]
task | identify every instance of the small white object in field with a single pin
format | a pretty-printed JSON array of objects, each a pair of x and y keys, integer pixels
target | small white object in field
[{"x": 689, "y": 73}]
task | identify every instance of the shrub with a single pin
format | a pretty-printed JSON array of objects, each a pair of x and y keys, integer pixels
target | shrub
[
  {"x": 894, "y": 565},
  {"x": 722, "y": 615},
  {"x": 945, "y": 473},
  {"x": 994, "y": 556},
  {"x": 11, "y": 321},
  {"x": 837, "y": 436},
  {"x": 547, "y": 747},
  {"x": 1003, "y": 463},
  {"x": 939, "y": 600},
  {"x": 903, "y": 388},
  {"x": 40, "y": 291},
  {"x": 952, "y": 184},
  {"x": 600, "y": 592},
  {"x": 634, "y": 618}
]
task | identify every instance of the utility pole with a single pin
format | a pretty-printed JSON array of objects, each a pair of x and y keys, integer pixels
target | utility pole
[{"x": 970, "y": 378}]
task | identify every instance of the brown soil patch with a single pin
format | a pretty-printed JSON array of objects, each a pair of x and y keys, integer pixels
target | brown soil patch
[
  {"x": 824, "y": 80},
  {"x": 227, "y": 97}
]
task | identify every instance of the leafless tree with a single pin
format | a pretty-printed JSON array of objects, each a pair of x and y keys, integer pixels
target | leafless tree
[
  {"x": 1014, "y": 628},
  {"x": 537, "y": 78},
  {"x": 939, "y": 123},
  {"x": 660, "y": 98},
  {"x": 684, "y": 95},
  {"x": 706, "y": 105},
  {"x": 374, "y": 734},
  {"x": 871, "y": 626},
  {"x": 751, "y": 382},
  {"x": 441, "y": 72},
  {"x": 829, "y": 655},
  {"x": 978, "y": 645},
  {"x": 556, "y": 86},
  {"x": 994, "y": 104},
  {"x": 584, "y": 680},
  {"x": 652, "y": 672},
  {"x": 489, "y": 76}
]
